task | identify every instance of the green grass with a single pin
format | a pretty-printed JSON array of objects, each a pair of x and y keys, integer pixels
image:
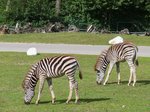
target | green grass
[
  {"x": 94, "y": 98},
  {"x": 73, "y": 38}
]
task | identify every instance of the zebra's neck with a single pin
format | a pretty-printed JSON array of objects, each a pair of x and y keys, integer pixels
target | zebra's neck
[
  {"x": 32, "y": 82},
  {"x": 102, "y": 62},
  {"x": 32, "y": 77}
]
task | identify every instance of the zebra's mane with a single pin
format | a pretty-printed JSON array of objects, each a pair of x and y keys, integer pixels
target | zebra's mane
[
  {"x": 29, "y": 75},
  {"x": 100, "y": 59}
]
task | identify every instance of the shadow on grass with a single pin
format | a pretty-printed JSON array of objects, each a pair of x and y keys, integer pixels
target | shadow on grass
[
  {"x": 143, "y": 82},
  {"x": 82, "y": 100},
  {"x": 88, "y": 100}
]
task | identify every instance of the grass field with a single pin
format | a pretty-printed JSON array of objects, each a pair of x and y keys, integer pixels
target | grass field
[
  {"x": 94, "y": 98},
  {"x": 73, "y": 38}
]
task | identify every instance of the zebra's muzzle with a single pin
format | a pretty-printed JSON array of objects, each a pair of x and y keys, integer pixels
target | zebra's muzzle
[
  {"x": 98, "y": 83},
  {"x": 27, "y": 103}
]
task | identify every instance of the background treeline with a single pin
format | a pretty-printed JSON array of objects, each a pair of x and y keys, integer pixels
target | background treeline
[{"x": 110, "y": 14}]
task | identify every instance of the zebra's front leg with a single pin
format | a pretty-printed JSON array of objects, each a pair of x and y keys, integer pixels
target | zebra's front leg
[
  {"x": 71, "y": 86},
  {"x": 109, "y": 71},
  {"x": 41, "y": 84},
  {"x": 49, "y": 81}
]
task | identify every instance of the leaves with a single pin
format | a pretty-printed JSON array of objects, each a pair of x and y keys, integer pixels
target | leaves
[{"x": 105, "y": 13}]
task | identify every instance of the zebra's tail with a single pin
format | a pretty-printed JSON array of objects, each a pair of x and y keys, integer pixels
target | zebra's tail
[
  {"x": 136, "y": 60},
  {"x": 80, "y": 73}
]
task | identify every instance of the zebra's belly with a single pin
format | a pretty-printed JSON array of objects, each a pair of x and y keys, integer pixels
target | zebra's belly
[
  {"x": 121, "y": 60},
  {"x": 54, "y": 75}
]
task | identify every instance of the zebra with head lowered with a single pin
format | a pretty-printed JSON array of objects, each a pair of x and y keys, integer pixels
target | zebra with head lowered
[
  {"x": 49, "y": 68},
  {"x": 115, "y": 54}
]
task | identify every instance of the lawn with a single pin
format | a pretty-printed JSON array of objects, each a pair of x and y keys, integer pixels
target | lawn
[
  {"x": 94, "y": 98},
  {"x": 73, "y": 38}
]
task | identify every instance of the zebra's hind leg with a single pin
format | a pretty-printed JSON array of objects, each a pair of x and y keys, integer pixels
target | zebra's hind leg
[
  {"x": 134, "y": 76},
  {"x": 71, "y": 86},
  {"x": 132, "y": 72},
  {"x": 130, "y": 78},
  {"x": 76, "y": 92},
  {"x": 49, "y": 81},
  {"x": 41, "y": 84}
]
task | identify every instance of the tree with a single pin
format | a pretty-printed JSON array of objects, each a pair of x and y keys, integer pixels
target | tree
[
  {"x": 102, "y": 13},
  {"x": 58, "y": 4}
]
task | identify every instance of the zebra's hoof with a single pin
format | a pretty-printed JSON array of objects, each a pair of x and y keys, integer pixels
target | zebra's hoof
[
  {"x": 37, "y": 102},
  {"x": 77, "y": 102},
  {"x": 67, "y": 102},
  {"x": 119, "y": 83},
  {"x": 53, "y": 102}
]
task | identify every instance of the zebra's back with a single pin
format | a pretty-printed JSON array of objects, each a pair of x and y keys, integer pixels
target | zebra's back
[
  {"x": 122, "y": 51},
  {"x": 57, "y": 66}
]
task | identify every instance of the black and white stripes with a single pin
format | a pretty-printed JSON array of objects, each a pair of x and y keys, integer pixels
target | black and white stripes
[
  {"x": 125, "y": 51},
  {"x": 31, "y": 78},
  {"x": 49, "y": 68}
]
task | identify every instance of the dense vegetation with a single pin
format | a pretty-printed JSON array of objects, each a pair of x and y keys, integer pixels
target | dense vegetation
[{"x": 110, "y": 14}]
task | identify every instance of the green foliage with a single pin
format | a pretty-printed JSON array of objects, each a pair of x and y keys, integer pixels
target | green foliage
[
  {"x": 110, "y": 14},
  {"x": 38, "y": 11},
  {"x": 2, "y": 9}
]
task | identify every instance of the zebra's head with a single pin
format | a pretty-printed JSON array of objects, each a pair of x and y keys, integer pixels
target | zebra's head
[
  {"x": 100, "y": 66},
  {"x": 29, "y": 84},
  {"x": 29, "y": 93},
  {"x": 100, "y": 77}
]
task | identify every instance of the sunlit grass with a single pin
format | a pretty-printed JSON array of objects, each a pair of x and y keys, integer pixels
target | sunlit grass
[
  {"x": 94, "y": 98},
  {"x": 73, "y": 38}
]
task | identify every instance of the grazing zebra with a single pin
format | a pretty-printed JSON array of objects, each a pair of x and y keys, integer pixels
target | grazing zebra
[
  {"x": 49, "y": 68},
  {"x": 115, "y": 54}
]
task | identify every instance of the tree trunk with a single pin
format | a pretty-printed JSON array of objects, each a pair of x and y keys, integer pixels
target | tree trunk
[
  {"x": 7, "y": 5},
  {"x": 57, "y": 7},
  {"x": 24, "y": 4}
]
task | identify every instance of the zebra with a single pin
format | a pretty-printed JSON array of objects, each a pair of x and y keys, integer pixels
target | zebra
[
  {"x": 115, "y": 54},
  {"x": 49, "y": 68}
]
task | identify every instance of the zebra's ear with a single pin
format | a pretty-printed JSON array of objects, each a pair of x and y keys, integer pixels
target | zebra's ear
[
  {"x": 27, "y": 87},
  {"x": 95, "y": 69}
]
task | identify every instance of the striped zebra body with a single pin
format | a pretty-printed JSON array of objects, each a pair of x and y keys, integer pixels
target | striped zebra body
[
  {"x": 115, "y": 54},
  {"x": 49, "y": 68},
  {"x": 58, "y": 66}
]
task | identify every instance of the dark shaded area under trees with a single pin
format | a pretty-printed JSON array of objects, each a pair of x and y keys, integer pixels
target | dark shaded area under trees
[{"x": 113, "y": 15}]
